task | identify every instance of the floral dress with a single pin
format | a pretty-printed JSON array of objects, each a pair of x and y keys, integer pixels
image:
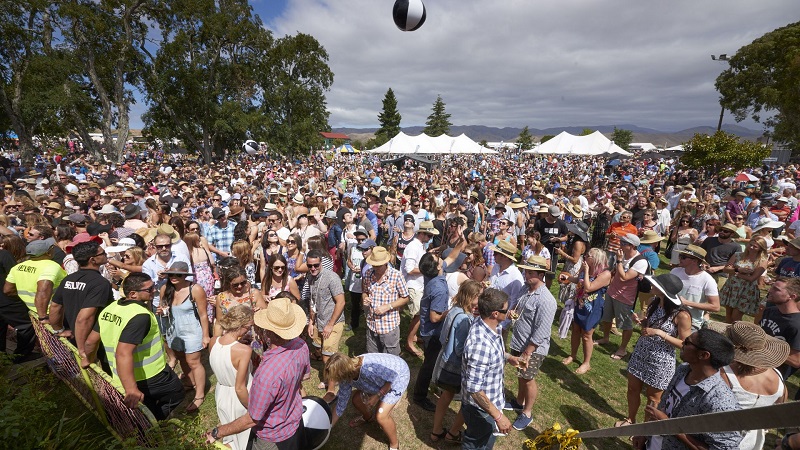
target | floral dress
[
  {"x": 589, "y": 312},
  {"x": 567, "y": 291},
  {"x": 739, "y": 293}
]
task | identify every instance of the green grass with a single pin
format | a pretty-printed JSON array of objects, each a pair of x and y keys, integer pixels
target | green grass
[{"x": 584, "y": 402}]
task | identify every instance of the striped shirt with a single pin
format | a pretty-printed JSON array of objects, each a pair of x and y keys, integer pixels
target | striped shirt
[
  {"x": 275, "y": 403},
  {"x": 388, "y": 289},
  {"x": 482, "y": 365}
]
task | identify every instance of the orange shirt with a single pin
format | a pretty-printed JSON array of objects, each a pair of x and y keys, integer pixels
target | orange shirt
[{"x": 616, "y": 230}]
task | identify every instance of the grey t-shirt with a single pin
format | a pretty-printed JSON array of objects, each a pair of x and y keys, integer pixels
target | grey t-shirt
[{"x": 321, "y": 290}]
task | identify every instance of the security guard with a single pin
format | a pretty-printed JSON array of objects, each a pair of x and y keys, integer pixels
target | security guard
[
  {"x": 135, "y": 349},
  {"x": 34, "y": 280}
]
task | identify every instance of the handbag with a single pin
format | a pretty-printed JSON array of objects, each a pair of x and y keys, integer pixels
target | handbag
[{"x": 440, "y": 371}]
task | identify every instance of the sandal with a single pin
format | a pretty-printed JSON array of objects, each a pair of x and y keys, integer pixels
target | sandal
[
  {"x": 455, "y": 439},
  {"x": 623, "y": 423},
  {"x": 617, "y": 356},
  {"x": 193, "y": 407},
  {"x": 358, "y": 421},
  {"x": 436, "y": 437}
]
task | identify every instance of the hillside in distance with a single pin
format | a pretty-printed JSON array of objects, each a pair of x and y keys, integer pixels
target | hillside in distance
[{"x": 509, "y": 134}]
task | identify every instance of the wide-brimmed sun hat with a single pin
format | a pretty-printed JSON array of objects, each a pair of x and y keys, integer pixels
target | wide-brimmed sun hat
[
  {"x": 426, "y": 226},
  {"x": 379, "y": 257},
  {"x": 574, "y": 210},
  {"x": 766, "y": 222},
  {"x": 752, "y": 346},
  {"x": 505, "y": 248},
  {"x": 167, "y": 229},
  {"x": 178, "y": 268},
  {"x": 517, "y": 203},
  {"x": 650, "y": 237},
  {"x": 668, "y": 284},
  {"x": 580, "y": 229},
  {"x": 282, "y": 317},
  {"x": 695, "y": 252},
  {"x": 535, "y": 262}
]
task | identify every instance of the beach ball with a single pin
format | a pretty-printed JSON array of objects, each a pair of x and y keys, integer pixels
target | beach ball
[
  {"x": 408, "y": 14},
  {"x": 317, "y": 421},
  {"x": 250, "y": 147}
]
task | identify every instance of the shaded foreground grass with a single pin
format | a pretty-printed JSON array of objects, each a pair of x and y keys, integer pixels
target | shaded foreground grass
[{"x": 584, "y": 402}]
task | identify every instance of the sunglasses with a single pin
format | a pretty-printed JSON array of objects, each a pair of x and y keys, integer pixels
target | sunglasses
[
  {"x": 238, "y": 285},
  {"x": 150, "y": 289},
  {"x": 686, "y": 257},
  {"x": 278, "y": 267},
  {"x": 163, "y": 246},
  {"x": 291, "y": 242},
  {"x": 126, "y": 256},
  {"x": 314, "y": 266},
  {"x": 502, "y": 311},
  {"x": 688, "y": 342}
]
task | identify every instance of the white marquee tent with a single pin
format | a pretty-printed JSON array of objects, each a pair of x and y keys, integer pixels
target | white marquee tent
[
  {"x": 424, "y": 144},
  {"x": 595, "y": 144}
]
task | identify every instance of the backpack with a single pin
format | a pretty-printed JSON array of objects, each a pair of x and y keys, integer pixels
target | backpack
[{"x": 643, "y": 285}]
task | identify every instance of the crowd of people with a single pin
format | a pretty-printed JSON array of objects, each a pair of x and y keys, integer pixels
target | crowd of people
[{"x": 268, "y": 263}]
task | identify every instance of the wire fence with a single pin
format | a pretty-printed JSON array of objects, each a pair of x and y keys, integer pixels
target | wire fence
[{"x": 96, "y": 389}]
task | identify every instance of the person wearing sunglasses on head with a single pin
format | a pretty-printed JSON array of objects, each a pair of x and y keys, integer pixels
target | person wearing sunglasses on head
[{"x": 134, "y": 347}]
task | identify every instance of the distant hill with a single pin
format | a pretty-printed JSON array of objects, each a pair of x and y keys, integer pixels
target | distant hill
[{"x": 509, "y": 134}]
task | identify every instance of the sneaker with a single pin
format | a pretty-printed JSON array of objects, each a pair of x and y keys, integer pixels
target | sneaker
[
  {"x": 512, "y": 405},
  {"x": 522, "y": 422},
  {"x": 425, "y": 404}
]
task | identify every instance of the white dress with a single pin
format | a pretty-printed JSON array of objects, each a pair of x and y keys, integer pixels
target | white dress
[
  {"x": 229, "y": 408},
  {"x": 753, "y": 439}
]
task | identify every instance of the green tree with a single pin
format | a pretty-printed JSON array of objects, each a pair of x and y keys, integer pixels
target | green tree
[
  {"x": 389, "y": 118},
  {"x": 483, "y": 143},
  {"x": 525, "y": 140},
  {"x": 622, "y": 138},
  {"x": 202, "y": 86},
  {"x": 546, "y": 138},
  {"x": 438, "y": 122},
  {"x": 722, "y": 152},
  {"x": 762, "y": 80},
  {"x": 586, "y": 132},
  {"x": 295, "y": 80}
]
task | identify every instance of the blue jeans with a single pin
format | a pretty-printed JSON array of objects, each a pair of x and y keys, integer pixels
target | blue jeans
[{"x": 480, "y": 428}]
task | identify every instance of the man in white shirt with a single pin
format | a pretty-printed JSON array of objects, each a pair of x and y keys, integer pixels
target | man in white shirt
[
  {"x": 699, "y": 294},
  {"x": 506, "y": 277},
  {"x": 409, "y": 268}
]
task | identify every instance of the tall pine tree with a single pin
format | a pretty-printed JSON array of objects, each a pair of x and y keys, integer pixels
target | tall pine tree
[
  {"x": 438, "y": 122},
  {"x": 389, "y": 118},
  {"x": 525, "y": 140}
]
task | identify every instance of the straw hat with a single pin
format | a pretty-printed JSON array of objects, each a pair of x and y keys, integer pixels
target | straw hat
[
  {"x": 650, "y": 237},
  {"x": 695, "y": 252},
  {"x": 178, "y": 268},
  {"x": 54, "y": 205},
  {"x": 535, "y": 262},
  {"x": 426, "y": 226},
  {"x": 298, "y": 198},
  {"x": 517, "y": 203},
  {"x": 669, "y": 285},
  {"x": 543, "y": 209},
  {"x": 122, "y": 245},
  {"x": 378, "y": 257},
  {"x": 752, "y": 346},
  {"x": 167, "y": 229},
  {"x": 282, "y": 317},
  {"x": 505, "y": 248},
  {"x": 574, "y": 210}
]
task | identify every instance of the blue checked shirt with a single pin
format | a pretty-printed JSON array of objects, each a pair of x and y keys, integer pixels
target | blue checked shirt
[
  {"x": 221, "y": 238},
  {"x": 482, "y": 365}
]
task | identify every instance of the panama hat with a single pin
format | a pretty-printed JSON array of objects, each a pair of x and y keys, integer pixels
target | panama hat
[
  {"x": 669, "y": 285},
  {"x": 505, "y": 248},
  {"x": 543, "y": 209},
  {"x": 178, "y": 268},
  {"x": 122, "y": 245},
  {"x": 517, "y": 203},
  {"x": 730, "y": 227},
  {"x": 535, "y": 262},
  {"x": 426, "y": 226},
  {"x": 167, "y": 229},
  {"x": 650, "y": 237},
  {"x": 132, "y": 210},
  {"x": 379, "y": 257},
  {"x": 298, "y": 198},
  {"x": 54, "y": 205},
  {"x": 235, "y": 210},
  {"x": 574, "y": 210},
  {"x": 752, "y": 346},
  {"x": 282, "y": 317},
  {"x": 107, "y": 209},
  {"x": 695, "y": 252}
]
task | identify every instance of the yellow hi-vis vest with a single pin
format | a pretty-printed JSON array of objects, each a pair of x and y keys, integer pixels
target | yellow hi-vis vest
[{"x": 148, "y": 357}]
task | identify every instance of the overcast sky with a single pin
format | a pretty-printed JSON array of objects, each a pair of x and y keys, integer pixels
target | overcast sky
[{"x": 540, "y": 63}]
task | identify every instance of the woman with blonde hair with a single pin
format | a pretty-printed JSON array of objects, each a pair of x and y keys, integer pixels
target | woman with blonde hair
[
  {"x": 592, "y": 282},
  {"x": 379, "y": 380},
  {"x": 740, "y": 294},
  {"x": 447, "y": 371},
  {"x": 242, "y": 251},
  {"x": 230, "y": 361}
]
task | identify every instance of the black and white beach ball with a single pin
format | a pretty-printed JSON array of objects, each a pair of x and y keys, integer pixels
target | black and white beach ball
[
  {"x": 250, "y": 147},
  {"x": 317, "y": 422},
  {"x": 408, "y": 14}
]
